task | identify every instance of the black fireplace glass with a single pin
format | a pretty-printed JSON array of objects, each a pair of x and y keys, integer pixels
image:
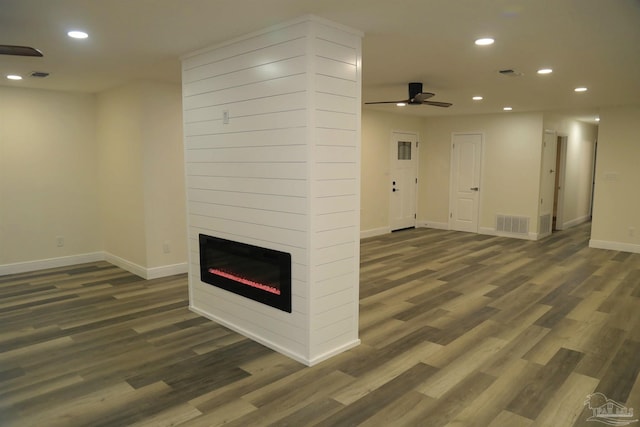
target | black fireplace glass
[{"x": 254, "y": 272}]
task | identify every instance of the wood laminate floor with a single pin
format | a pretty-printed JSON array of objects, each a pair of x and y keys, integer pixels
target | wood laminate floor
[{"x": 457, "y": 329}]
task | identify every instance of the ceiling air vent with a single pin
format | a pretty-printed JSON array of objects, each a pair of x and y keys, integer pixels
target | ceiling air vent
[{"x": 511, "y": 73}]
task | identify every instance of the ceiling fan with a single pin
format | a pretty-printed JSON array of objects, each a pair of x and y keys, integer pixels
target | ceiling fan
[
  {"x": 6, "y": 49},
  {"x": 416, "y": 97}
]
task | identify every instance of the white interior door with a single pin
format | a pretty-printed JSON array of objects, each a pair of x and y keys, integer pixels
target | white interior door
[
  {"x": 466, "y": 155},
  {"x": 404, "y": 179}
]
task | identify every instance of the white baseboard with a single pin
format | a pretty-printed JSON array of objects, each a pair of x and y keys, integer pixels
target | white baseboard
[
  {"x": 42, "y": 264},
  {"x": 267, "y": 343},
  {"x": 494, "y": 232},
  {"x": 138, "y": 270},
  {"x": 434, "y": 224},
  {"x": 334, "y": 352},
  {"x": 295, "y": 356},
  {"x": 386, "y": 230},
  {"x": 374, "y": 232},
  {"x": 167, "y": 270},
  {"x": 144, "y": 272},
  {"x": 124, "y": 264},
  {"x": 574, "y": 222},
  {"x": 614, "y": 246}
]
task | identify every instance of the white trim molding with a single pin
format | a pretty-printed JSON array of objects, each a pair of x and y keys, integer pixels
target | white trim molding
[
  {"x": 42, "y": 264},
  {"x": 434, "y": 224},
  {"x": 614, "y": 246},
  {"x": 576, "y": 221},
  {"x": 272, "y": 345},
  {"x": 494, "y": 232},
  {"x": 138, "y": 270},
  {"x": 374, "y": 232},
  {"x": 144, "y": 272}
]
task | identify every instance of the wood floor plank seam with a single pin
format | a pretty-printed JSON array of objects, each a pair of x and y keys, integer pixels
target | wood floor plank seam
[{"x": 457, "y": 329}]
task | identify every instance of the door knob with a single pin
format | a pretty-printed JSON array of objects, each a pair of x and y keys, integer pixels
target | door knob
[{"x": 474, "y": 189}]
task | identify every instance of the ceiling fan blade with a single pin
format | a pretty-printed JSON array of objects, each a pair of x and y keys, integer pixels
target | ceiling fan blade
[
  {"x": 438, "y": 104},
  {"x": 423, "y": 96},
  {"x": 406, "y": 101},
  {"x": 6, "y": 49}
]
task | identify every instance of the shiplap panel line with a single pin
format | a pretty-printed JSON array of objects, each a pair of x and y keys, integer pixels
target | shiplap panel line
[
  {"x": 292, "y": 119},
  {"x": 342, "y": 44},
  {"x": 333, "y": 285},
  {"x": 262, "y": 105},
  {"x": 255, "y": 130},
  {"x": 257, "y": 90},
  {"x": 246, "y": 231},
  {"x": 267, "y": 137},
  {"x": 244, "y": 46},
  {"x": 228, "y": 310},
  {"x": 335, "y": 128},
  {"x": 241, "y": 85},
  {"x": 238, "y": 78},
  {"x": 293, "y": 154},
  {"x": 275, "y": 220},
  {"x": 258, "y": 196},
  {"x": 271, "y": 54},
  {"x": 252, "y": 146},
  {"x": 254, "y": 100},
  {"x": 273, "y": 59},
  {"x": 241, "y": 208},
  {"x": 249, "y": 186},
  {"x": 287, "y": 204},
  {"x": 336, "y": 77},
  {"x": 349, "y": 63},
  {"x": 253, "y": 115},
  {"x": 260, "y": 167},
  {"x": 334, "y": 85},
  {"x": 338, "y": 95},
  {"x": 271, "y": 50},
  {"x": 232, "y": 222}
]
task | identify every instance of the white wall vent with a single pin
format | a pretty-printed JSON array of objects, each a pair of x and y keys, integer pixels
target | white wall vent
[
  {"x": 512, "y": 224},
  {"x": 545, "y": 224}
]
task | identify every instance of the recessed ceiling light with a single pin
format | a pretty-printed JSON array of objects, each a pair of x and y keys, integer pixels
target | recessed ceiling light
[
  {"x": 14, "y": 77},
  {"x": 545, "y": 71},
  {"x": 477, "y": 98},
  {"x": 77, "y": 34},
  {"x": 484, "y": 41},
  {"x": 401, "y": 104},
  {"x": 580, "y": 89},
  {"x": 507, "y": 108}
]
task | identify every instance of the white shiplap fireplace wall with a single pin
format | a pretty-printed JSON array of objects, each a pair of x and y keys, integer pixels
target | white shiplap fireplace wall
[{"x": 272, "y": 151}]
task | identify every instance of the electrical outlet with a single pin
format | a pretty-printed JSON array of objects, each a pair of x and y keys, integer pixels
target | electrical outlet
[
  {"x": 166, "y": 246},
  {"x": 225, "y": 117},
  {"x": 59, "y": 241}
]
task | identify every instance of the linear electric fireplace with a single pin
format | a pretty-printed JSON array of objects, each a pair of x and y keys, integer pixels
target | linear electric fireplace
[{"x": 261, "y": 274}]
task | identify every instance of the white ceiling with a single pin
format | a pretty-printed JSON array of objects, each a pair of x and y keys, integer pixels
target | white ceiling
[{"x": 592, "y": 43}]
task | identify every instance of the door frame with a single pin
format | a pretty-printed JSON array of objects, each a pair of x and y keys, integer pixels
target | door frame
[
  {"x": 562, "y": 140},
  {"x": 393, "y": 152},
  {"x": 451, "y": 177}
]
